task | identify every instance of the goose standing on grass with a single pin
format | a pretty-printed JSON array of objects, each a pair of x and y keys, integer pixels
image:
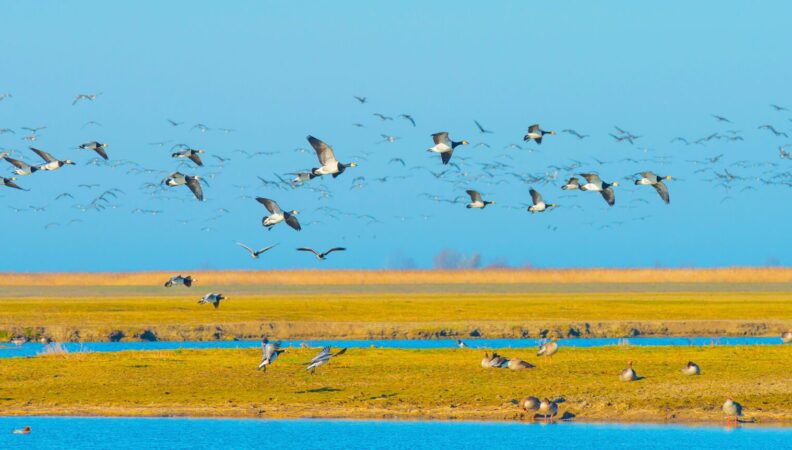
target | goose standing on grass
[
  {"x": 277, "y": 215},
  {"x": 9, "y": 182},
  {"x": 323, "y": 358},
  {"x": 51, "y": 162},
  {"x": 628, "y": 374},
  {"x": 535, "y": 133},
  {"x": 548, "y": 409},
  {"x": 255, "y": 253},
  {"x": 733, "y": 411},
  {"x": 518, "y": 364},
  {"x": 22, "y": 168},
  {"x": 595, "y": 183},
  {"x": 572, "y": 184},
  {"x": 548, "y": 349},
  {"x": 193, "y": 154},
  {"x": 691, "y": 368},
  {"x": 475, "y": 200},
  {"x": 180, "y": 280},
  {"x": 539, "y": 204},
  {"x": 269, "y": 353},
  {"x": 327, "y": 159},
  {"x": 530, "y": 405},
  {"x": 321, "y": 256},
  {"x": 650, "y": 179},
  {"x": 445, "y": 146},
  {"x": 786, "y": 337},
  {"x": 213, "y": 299},
  {"x": 98, "y": 147}
]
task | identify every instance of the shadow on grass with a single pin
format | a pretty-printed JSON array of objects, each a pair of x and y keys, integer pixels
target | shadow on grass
[{"x": 321, "y": 389}]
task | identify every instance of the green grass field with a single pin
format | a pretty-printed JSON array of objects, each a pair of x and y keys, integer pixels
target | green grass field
[{"x": 376, "y": 383}]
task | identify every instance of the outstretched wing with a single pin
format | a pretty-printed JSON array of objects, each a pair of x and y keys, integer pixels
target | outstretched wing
[
  {"x": 591, "y": 178},
  {"x": 293, "y": 222},
  {"x": 446, "y": 156},
  {"x": 101, "y": 151},
  {"x": 662, "y": 189},
  {"x": 17, "y": 163},
  {"x": 609, "y": 195},
  {"x": 265, "y": 249},
  {"x": 474, "y": 195},
  {"x": 323, "y": 151},
  {"x": 245, "y": 247},
  {"x": 271, "y": 205},
  {"x": 441, "y": 138},
  {"x": 196, "y": 159},
  {"x": 44, "y": 155},
  {"x": 307, "y": 249},
  {"x": 536, "y": 197},
  {"x": 195, "y": 186},
  {"x": 335, "y": 249}
]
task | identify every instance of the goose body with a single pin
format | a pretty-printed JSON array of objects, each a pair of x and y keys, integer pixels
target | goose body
[
  {"x": 193, "y": 154},
  {"x": 518, "y": 364},
  {"x": 269, "y": 353},
  {"x": 98, "y": 147},
  {"x": 733, "y": 410},
  {"x": 277, "y": 215},
  {"x": 50, "y": 162},
  {"x": 786, "y": 337},
  {"x": 530, "y": 404},
  {"x": 572, "y": 184},
  {"x": 255, "y": 253},
  {"x": 548, "y": 348},
  {"x": 485, "y": 361},
  {"x": 548, "y": 409},
  {"x": 539, "y": 204},
  {"x": 213, "y": 299},
  {"x": 476, "y": 202},
  {"x": 329, "y": 165},
  {"x": 650, "y": 179},
  {"x": 179, "y": 280},
  {"x": 535, "y": 133},
  {"x": 498, "y": 361},
  {"x": 691, "y": 368},
  {"x": 461, "y": 344},
  {"x": 192, "y": 182},
  {"x": 595, "y": 183},
  {"x": 444, "y": 146},
  {"x": 628, "y": 374},
  {"x": 9, "y": 182},
  {"x": 321, "y": 256},
  {"x": 21, "y": 168},
  {"x": 323, "y": 358}
]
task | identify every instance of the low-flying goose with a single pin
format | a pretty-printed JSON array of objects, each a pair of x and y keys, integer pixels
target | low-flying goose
[
  {"x": 733, "y": 411},
  {"x": 327, "y": 159},
  {"x": 10, "y": 183},
  {"x": 786, "y": 337},
  {"x": 255, "y": 253},
  {"x": 269, "y": 353},
  {"x": 595, "y": 183},
  {"x": 192, "y": 182},
  {"x": 175, "y": 179},
  {"x": 98, "y": 147},
  {"x": 50, "y": 162},
  {"x": 548, "y": 409},
  {"x": 572, "y": 184},
  {"x": 530, "y": 404},
  {"x": 323, "y": 358},
  {"x": 628, "y": 374},
  {"x": 277, "y": 215},
  {"x": 548, "y": 349},
  {"x": 539, "y": 204},
  {"x": 190, "y": 153},
  {"x": 90, "y": 97},
  {"x": 212, "y": 298},
  {"x": 535, "y": 133},
  {"x": 518, "y": 364},
  {"x": 445, "y": 146},
  {"x": 179, "y": 279},
  {"x": 650, "y": 179},
  {"x": 475, "y": 200},
  {"x": 691, "y": 368},
  {"x": 321, "y": 256}
]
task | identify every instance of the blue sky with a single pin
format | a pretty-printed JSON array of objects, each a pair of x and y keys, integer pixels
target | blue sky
[{"x": 275, "y": 72}]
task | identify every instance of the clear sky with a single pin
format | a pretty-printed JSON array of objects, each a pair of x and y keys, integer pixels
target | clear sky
[{"x": 275, "y": 72}]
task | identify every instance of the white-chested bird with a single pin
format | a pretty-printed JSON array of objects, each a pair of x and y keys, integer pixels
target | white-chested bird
[
  {"x": 445, "y": 146},
  {"x": 323, "y": 358},
  {"x": 595, "y": 183},
  {"x": 98, "y": 147},
  {"x": 269, "y": 353},
  {"x": 179, "y": 280},
  {"x": 213, "y": 299},
  {"x": 539, "y": 204},
  {"x": 536, "y": 134},
  {"x": 327, "y": 159},
  {"x": 277, "y": 215},
  {"x": 193, "y": 154},
  {"x": 50, "y": 162},
  {"x": 476, "y": 202},
  {"x": 650, "y": 179}
]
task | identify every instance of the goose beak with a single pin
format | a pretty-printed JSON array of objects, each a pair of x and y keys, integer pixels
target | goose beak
[
  {"x": 354, "y": 164},
  {"x": 615, "y": 183},
  {"x": 465, "y": 142},
  {"x": 668, "y": 177}
]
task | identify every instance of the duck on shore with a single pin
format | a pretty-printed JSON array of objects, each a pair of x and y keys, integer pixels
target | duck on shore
[{"x": 691, "y": 368}]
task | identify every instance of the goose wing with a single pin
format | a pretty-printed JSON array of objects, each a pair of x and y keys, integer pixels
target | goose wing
[
  {"x": 662, "y": 189},
  {"x": 265, "y": 249},
  {"x": 335, "y": 249},
  {"x": 536, "y": 197},
  {"x": 474, "y": 195},
  {"x": 322, "y": 354},
  {"x": 10, "y": 183},
  {"x": 293, "y": 222},
  {"x": 323, "y": 151},
  {"x": 307, "y": 249},
  {"x": 246, "y": 247},
  {"x": 446, "y": 156},
  {"x": 441, "y": 138},
  {"x": 533, "y": 128},
  {"x": 271, "y": 205},
  {"x": 592, "y": 178},
  {"x": 17, "y": 163},
  {"x": 649, "y": 175},
  {"x": 195, "y": 186},
  {"x": 195, "y": 158},
  {"x": 101, "y": 151},
  {"x": 609, "y": 195},
  {"x": 44, "y": 155}
]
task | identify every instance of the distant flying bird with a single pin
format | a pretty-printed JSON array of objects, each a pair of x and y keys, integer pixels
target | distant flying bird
[
  {"x": 255, "y": 253},
  {"x": 97, "y": 147},
  {"x": 481, "y": 129},
  {"x": 277, "y": 215},
  {"x": 650, "y": 179},
  {"x": 382, "y": 116},
  {"x": 200, "y": 127},
  {"x": 179, "y": 280},
  {"x": 360, "y": 99},
  {"x": 190, "y": 153},
  {"x": 9, "y": 182},
  {"x": 213, "y": 299},
  {"x": 444, "y": 145},
  {"x": 321, "y": 256},
  {"x": 535, "y": 133},
  {"x": 174, "y": 123},
  {"x": 775, "y": 107},
  {"x": 595, "y": 183},
  {"x": 90, "y": 97},
  {"x": 773, "y": 130},
  {"x": 539, "y": 204},
  {"x": 51, "y": 163},
  {"x": 574, "y": 133},
  {"x": 408, "y": 117},
  {"x": 323, "y": 358},
  {"x": 4, "y": 96},
  {"x": 721, "y": 118},
  {"x": 476, "y": 201},
  {"x": 572, "y": 184},
  {"x": 327, "y": 159},
  {"x": 269, "y": 353}
]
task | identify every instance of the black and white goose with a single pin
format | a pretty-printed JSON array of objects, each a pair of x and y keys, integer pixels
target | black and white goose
[
  {"x": 535, "y": 134},
  {"x": 327, "y": 159},
  {"x": 572, "y": 184},
  {"x": 22, "y": 168},
  {"x": 98, "y": 147},
  {"x": 323, "y": 358},
  {"x": 651, "y": 179},
  {"x": 277, "y": 215},
  {"x": 269, "y": 353},
  {"x": 476, "y": 202},
  {"x": 255, "y": 253},
  {"x": 179, "y": 280},
  {"x": 445, "y": 146},
  {"x": 193, "y": 154},
  {"x": 786, "y": 337},
  {"x": 595, "y": 183},
  {"x": 539, "y": 204},
  {"x": 192, "y": 182},
  {"x": 9, "y": 182},
  {"x": 50, "y": 162},
  {"x": 691, "y": 368},
  {"x": 212, "y": 298}
]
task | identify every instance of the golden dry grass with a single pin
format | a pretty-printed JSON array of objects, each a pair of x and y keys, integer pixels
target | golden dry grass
[{"x": 374, "y": 383}]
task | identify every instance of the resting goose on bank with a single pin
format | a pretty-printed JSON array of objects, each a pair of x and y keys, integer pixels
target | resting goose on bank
[
  {"x": 179, "y": 280},
  {"x": 650, "y": 179},
  {"x": 498, "y": 361},
  {"x": 535, "y": 133},
  {"x": 327, "y": 159},
  {"x": 628, "y": 374},
  {"x": 10, "y": 183},
  {"x": 786, "y": 337},
  {"x": 691, "y": 368},
  {"x": 255, "y": 253},
  {"x": 518, "y": 364},
  {"x": 269, "y": 353},
  {"x": 539, "y": 204},
  {"x": 98, "y": 147},
  {"x": 277, "y": 215},
  {"x": 475, "y": 200},
  {"x": 485, "y": 361},
  {"x": 212, "y": 298},
  {"x": 595, "y": 183},
  {"x": 322, "y": 358},
  {"x": 190, "y": 153},
  {"x": 51, "y": 162},
  {"x": 445, "y": 146},
  {"x": 321, "y": 256}
]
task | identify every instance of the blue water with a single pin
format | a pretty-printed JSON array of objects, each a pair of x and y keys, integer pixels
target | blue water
[
  {"x": 160, "y": 433},
  {"x": 32, "y": 349}
]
